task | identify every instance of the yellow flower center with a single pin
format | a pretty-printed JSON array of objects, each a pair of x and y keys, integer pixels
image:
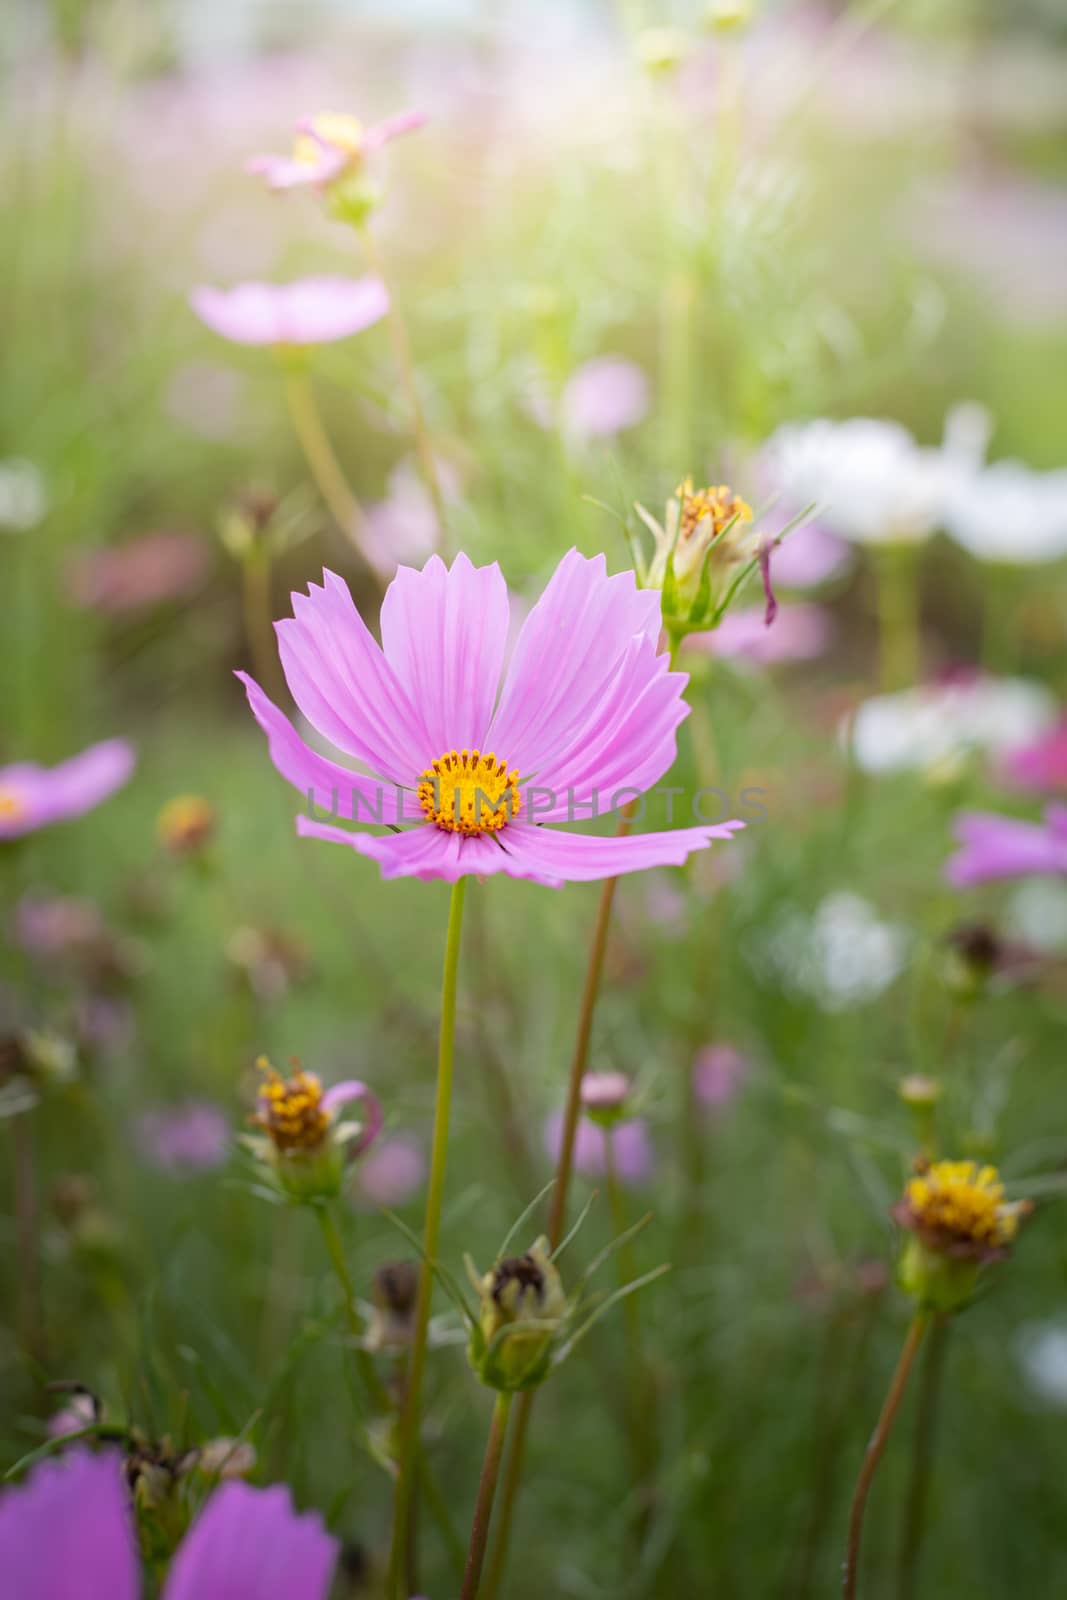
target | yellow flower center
[
  {"x": 12, "y": 806},
  {"x": 334, "y": 128},
  {"x": 717, "y": 506},
  {"x": 290, "y": 1109},
  {"x": 466, "y": 792},
  {"x": 965, "y": 1201}
]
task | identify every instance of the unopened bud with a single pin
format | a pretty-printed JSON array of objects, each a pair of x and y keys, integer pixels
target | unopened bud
[{"x": 522, "y": 1306}]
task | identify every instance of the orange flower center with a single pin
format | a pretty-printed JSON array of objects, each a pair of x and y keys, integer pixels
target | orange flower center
[{"x": 466, "y": 792}]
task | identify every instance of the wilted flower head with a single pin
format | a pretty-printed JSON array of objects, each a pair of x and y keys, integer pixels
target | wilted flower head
[
  {"x": 329, "y": 154},
  {"x": 193, "y": 1136},
  {"x": 33, "y": 797},
  {"x": 958, "y": 1219},
  {"x": 68, "y": 1531},
  {"x": 521, "y": 1307},
  {"x": 311, "y": 311},
  {"x": 994, "y": 847},
  {"x": 139, "y": 574},
  {"x": 587, "y": 712},
  {"x": 306, "y": 1147}
]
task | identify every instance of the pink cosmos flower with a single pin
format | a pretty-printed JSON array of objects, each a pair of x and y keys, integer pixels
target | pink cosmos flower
[
  {"x": 390, "y": 1173},
  {"x": 1041, "y": 764},
  {"x": 604, "y": 397},
  {"x": 586, "y": 716},
  {"x": 67, "y": 1533},
  {"x": 809, "y": 556},
  {"x": 310, "y": 311},
  {"x": 800, "y": 633},
  {"x": 328, "y": 145},
  {"x": 192, "y": 1137},
  {"x": 33, "y": 797},
  {"x": 139, "y": 574},
  {"x": 718, "y": 1073},
  {"x": 993, "y": 847},
  {"x": 632, "y": 1148}
]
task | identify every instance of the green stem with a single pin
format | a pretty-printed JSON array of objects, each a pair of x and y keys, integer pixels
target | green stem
[
  {"x": 898, "y": 618},
  {"x": 922, "y": 1455},
  {"x": 875, "y": 1449},
  {"x": 405, "y": 361},
  {"x": 640, "y": 1401},
  {"x": 376, "y": 1391},
  {"x": 409, "y": 1427},
  {"x": 483, "y": 1509},
  {"x": 319, "y": 454},
  {"x": 259, "y": 625},
  {"x": 27, "y": 1238}
]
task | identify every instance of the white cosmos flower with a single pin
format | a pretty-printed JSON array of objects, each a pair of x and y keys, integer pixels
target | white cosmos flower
[
  {"x": 1042, "y": 1351},
  {"x": 936, "y": 725},
  {"x": 1010, "y": 513},
  {"x": 842, "y": 954},
  {"x": 23, "y": 498}
]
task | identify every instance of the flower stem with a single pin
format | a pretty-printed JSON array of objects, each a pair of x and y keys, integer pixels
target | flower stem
[
  {"x": 922, "y": 1454},
  {"x": 259, "y": 627},
  {"x": 27, "y": 1238},
  {"x": 319, "y": 454},
  {"x": 898, "y": 619},
  {"x": 405, "y": 361},
  {"x": 376, "y": 1391},
  {"x": 483, "y": 1509},
  {"x": 875, "y": 1448},
  {"x": 557, "y": 1217},
  {"x": 640, "y": 1401},
  {"x": 409, "y": 1426}
]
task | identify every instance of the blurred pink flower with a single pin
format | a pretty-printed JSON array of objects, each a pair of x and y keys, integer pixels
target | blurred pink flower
[
  {"x": 104, "y": 1025},
  {"x": 603, "y": 397},
  {"x": 1041, "y": 764},
  {"x": 193, "y": 1136},
  {"x": 33, "y": 797},
  {"x": 799, "y": 633},
  {"x": 402, "y": 528},
  {"x": 329, "y": 144},
  {"x": 391, "y": 1172},
  {"x": 55, "y": 925},
  {"x": 718, "y": 1073},
  {"x": 81, "y": 1411},
  {"x": 140, "y": 574},
  {"x": 632, "y": 1148},
  {"x": 809, "y": 555},
  {"x": 310, "y": 311},
  {"x": 994, "y": 847}
]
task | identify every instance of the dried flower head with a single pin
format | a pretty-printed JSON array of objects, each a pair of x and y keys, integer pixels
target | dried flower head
[
  {"x": 522, "y": 1305},
  {"x": 704, "y": 548},
  {"x": 305, "y": 1146}
]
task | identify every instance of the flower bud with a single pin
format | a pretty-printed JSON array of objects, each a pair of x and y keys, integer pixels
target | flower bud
[
  {"x": 522, "y": 1305},
  {"x": 706, "y": 536},
  {"x": 605, "y": 1096},
  {"x": 186, "y": 825},
  {"x": 394, "y": 1292}
]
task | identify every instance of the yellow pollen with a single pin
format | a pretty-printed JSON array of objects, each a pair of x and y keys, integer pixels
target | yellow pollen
[
  {"x": 466, "y": 792},
  {"x": 964, "y": 1201},
  {"x": 12, "y": 806},
  {"x": 290, "y": 1109},
  {"x": 719, "y": 506},
  {"x": 334, "y": 128}
]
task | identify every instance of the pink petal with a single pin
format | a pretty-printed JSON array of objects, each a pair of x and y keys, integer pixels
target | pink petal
[
  {"x": 566, "y": 660},
  {"x": 443, "y": 633},
  {"x": 56, "y": 794},
  {"x": 343, "y": 1094},
  {"x": 553, "y": 856},
  {"x": 392, "y": 127},
  {"x": 249, "y": 1544},
  {"x": 282, "y": 172},
  {"x": 310, "y": 311},
  {"x": 67, "y": 1532},
  {"x": 346, "y": 688},
  {"x": 324, "y": 784},
  {"x": 428, "y": 853}
]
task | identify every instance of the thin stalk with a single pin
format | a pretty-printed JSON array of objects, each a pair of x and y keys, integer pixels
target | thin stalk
[
  {"x": 483, "y": 1509},
  {"x": 914, "y": 1525},
  {"x": 558, "y": 1214},
  {"x": 409, "y": 1425},
  {"x": 376, "y": 1391},
  {"x": 398, "y": 333},
  {"x": 875, "y": 1449},
  {"x": 640, "y": 1401},
  {"x": 319, "y": 454},
  {"x": 898, "y": 619},
  {"x": 259, "y": 625},
  {"x": 27, "y": 1238}
]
